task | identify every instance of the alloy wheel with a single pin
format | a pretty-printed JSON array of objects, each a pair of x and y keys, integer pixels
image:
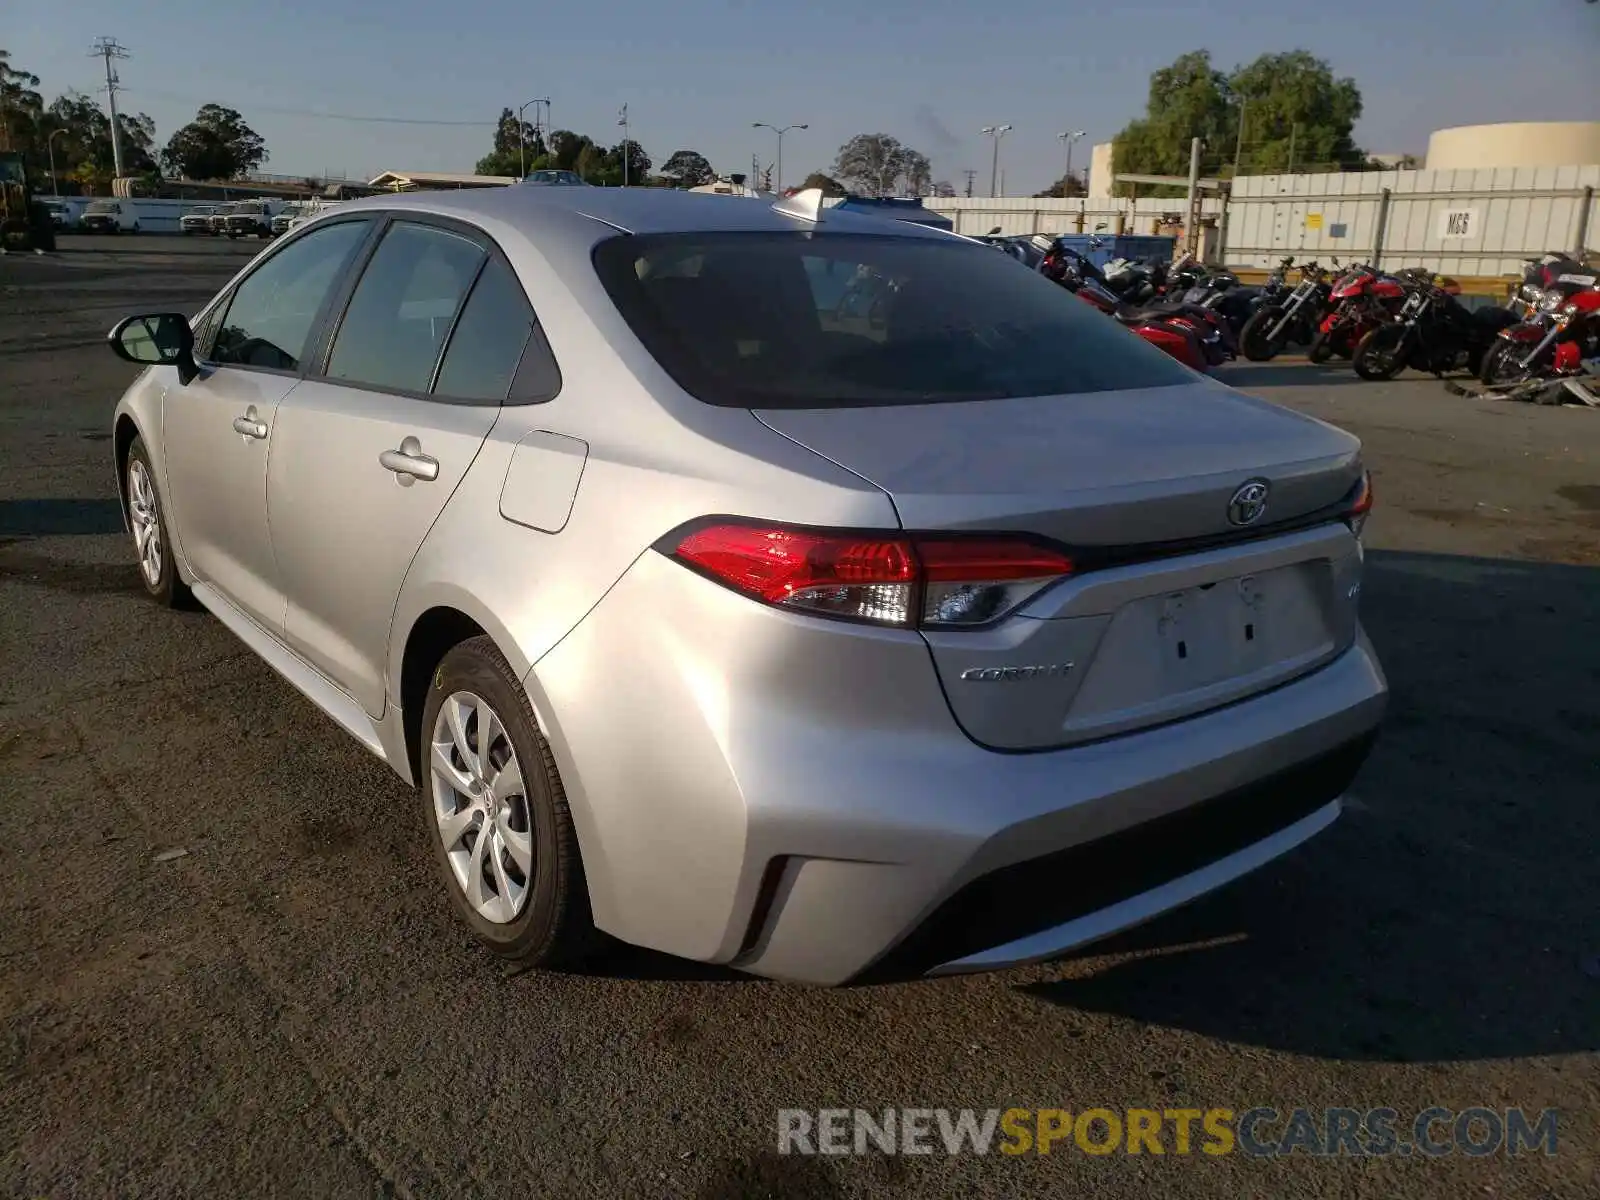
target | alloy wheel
[
  {"x": 145, "y": 515},
  {"x": 481, "y": 807}
]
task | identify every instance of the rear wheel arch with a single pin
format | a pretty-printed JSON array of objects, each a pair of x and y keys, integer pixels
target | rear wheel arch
[{"x": 431, "y": 636}]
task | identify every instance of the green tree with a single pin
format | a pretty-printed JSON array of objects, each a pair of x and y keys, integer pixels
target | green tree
[
  {"x": 874, "y": 163},
  {"x": 1281, "y": 98},
  {"x": 20, "y": 104},
  {"x": 1294, "y": 98},
  {"x": 1187, "y": 99},
  {"x": 611, "y": 173},
  {"x": 1065, "y": 187},
  {"x": 688, "y": 168},
  {"x": 829, "y": 185},
  {"x": 88, "y": 137},
  {"x": 516, "y": 143},
  {"x": 217, "y": 144},
  {"x": 590, "y": 163}
]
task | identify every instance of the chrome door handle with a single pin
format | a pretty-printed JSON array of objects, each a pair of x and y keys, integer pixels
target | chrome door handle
[
  {"x": 249, "y": 425},
  {"x": 409, "y": 462}
]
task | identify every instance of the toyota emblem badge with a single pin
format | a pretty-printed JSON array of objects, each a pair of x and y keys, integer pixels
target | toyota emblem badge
[{"x": 1248, "y": 503}]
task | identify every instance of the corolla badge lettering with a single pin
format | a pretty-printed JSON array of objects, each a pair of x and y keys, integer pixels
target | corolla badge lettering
[
  {"x": 1012, "y": 674},
  {"x": 1248, "y": 502}
]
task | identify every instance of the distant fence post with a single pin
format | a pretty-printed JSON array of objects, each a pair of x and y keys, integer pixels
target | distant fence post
[
  {"x": 1583, "y": 223},
  {"x": 1381, "y": 227}
]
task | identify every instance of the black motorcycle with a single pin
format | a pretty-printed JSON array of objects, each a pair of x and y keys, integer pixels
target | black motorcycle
[
  {"x": 1295, "y": 318},
  {"x": 1433, "y": 332}
]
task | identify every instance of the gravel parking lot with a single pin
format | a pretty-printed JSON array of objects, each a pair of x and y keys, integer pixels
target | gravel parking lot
[{"x": 289, "y": 1008}]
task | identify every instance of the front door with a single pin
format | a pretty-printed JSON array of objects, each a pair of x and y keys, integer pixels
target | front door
[
  {"x": 366, "y": 455},
  {"x": 217, "y": 430}
]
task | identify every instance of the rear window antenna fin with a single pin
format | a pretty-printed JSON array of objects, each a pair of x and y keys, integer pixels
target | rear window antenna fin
[{"x": 806, "y": 205}]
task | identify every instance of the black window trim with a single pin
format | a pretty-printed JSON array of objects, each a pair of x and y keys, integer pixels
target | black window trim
[
  {"x": 329, "y": 324},
  {"x": 224, "y": 301}
]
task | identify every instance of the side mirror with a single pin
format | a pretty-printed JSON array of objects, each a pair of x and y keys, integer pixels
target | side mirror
[{"x": 159, "y": 339}]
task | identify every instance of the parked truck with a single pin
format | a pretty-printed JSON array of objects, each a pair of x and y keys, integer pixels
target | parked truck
[{"x": 25, "y": 222}]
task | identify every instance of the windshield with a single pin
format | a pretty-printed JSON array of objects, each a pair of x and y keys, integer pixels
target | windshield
[
  {"x": 202, "y": 211},
  {"x": 800, "y": 320}
]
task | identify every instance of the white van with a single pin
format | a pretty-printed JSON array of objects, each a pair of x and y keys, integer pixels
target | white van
[{"x": 109, "y": 216}]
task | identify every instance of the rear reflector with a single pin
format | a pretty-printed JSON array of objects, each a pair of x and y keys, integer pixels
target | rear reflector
[
  {"x": 1360, "y": 504},
  {"x": 907, "y": 581}
]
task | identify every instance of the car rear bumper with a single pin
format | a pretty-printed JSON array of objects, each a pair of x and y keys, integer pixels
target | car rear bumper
[{"x": 802, "y": 804}]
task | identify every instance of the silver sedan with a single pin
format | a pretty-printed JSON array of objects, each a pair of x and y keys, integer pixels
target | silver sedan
[{"x": 809, "y": 592}]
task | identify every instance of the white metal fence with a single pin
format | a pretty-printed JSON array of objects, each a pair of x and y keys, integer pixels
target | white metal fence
[{"x": 1467, "y": 222}]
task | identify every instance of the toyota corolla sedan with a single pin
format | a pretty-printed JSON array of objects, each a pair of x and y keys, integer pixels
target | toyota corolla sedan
[{"x": 939, "y": 633}]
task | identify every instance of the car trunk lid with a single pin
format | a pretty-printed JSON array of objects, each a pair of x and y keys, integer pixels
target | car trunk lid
[{"x": 1175, "y": 607}]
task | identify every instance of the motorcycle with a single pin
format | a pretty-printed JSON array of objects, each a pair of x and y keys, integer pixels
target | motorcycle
[
  {"x": 1433, "y": 332},
  {"x": 1195, "y": 338},
  {"x": 1555, "y": 339},
  {"x": 1361, "y": 299},
  {"x": 1296, "y": 319}
]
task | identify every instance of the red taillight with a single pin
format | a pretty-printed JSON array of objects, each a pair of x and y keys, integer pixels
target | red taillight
[
  {"x": 1360, "y": 504},
  {"x": 908, "y": 581}
]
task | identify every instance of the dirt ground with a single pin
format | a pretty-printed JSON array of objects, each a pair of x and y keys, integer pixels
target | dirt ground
[{"x": 288, "y": 1008}]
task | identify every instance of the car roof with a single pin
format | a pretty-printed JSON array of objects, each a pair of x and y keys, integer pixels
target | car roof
[{"x": 541, "y": 211}]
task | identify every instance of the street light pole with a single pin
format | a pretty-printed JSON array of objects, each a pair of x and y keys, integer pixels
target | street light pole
[
  {"x": 50, "y": 146},
  {"x": 778, "y": 185},
  {"x": 996, "y": 132},
  {"x": 522, "y": 146},
  {"x": 1069, "y": 138},
  {"x": 623, "y": 121}
]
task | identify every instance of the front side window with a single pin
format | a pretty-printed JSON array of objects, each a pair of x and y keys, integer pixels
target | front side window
[
  {"x": 404, "y": 307},
  {"x": 827, "y": 320},
  {"x": 269, "y": 319}
]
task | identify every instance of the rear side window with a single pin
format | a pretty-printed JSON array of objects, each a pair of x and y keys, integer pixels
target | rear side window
[
  {"x": 270, "y": 316},
  {"x": 828, "y": 320},
  {"x": 488, "y": 340},
  {"x": 402, "y": 310}
]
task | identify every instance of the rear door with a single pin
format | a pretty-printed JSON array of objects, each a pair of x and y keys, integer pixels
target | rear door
[{"x": 367, "y": 452}]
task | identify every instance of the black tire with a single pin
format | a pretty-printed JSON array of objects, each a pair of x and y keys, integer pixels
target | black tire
[
  {"x": 166, "y": 588},
  {"x": 1321, "y": 347},
  {"x": 554, "y": 926},
  {"x": 1382, "y": 353},
  {"x": 1500, "y": 364},
  {"x": 1253, "y": 341}
]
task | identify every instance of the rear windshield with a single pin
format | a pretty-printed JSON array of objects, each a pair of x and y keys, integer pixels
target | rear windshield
[
  {"x": 103, "y": 206},
  {"x": 830, "y": 320}
]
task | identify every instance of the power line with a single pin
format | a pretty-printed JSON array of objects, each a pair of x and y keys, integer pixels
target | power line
[{"x": 326, "y": 116}]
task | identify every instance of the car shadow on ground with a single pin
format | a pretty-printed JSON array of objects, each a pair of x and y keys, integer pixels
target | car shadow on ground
[
  {"x": 1297, "y": 373},
  {"x": 1450, "y": 914},
  {"x": 57, "y": 518}
]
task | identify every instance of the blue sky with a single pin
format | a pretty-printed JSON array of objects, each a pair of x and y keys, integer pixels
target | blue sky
[{"x": 696, "y": 73}]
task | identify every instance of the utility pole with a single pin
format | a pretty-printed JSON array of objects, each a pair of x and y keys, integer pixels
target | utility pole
[
  {"x": 1069, "y": 137},
  {"x": 1238, "y": 143},
  {"x": 996, "y": 132},
  {"x": 971, "y": 175},
  {"x": 522, "y": 141},
  {"x": 1191, "y": 222},
  {"x": 780, "y": 132},
  {"x": 625, "y": 155},
  {"x": 108, "y": 49},
  {"x": 1293, "y": 129}
]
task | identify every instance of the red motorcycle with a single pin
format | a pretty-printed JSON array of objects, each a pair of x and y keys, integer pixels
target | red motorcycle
[
  {"x": 1194, "y": 335},
  {"x": 1361, "y": 300},
  {"x": 1554, "y": 340}
]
